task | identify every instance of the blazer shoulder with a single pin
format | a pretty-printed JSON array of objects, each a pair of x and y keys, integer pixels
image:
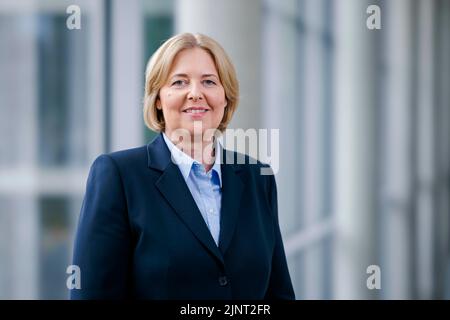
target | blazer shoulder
[
  {"x": 126, "y": 157},
  {"x": 243, "y": 161},
  {"x": 119, "y": 162},
  {"x": 260, "y": 172}
]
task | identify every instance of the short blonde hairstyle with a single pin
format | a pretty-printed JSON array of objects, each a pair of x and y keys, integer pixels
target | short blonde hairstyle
[{"x": 157, "y": 73}]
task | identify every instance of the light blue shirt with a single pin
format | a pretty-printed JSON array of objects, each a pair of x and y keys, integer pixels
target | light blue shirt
[{"x": 205, "y": 187}]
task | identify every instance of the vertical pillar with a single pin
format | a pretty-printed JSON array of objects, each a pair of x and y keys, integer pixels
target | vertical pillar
[
  {"x": 128, "y": 74},
  {"x": 312, "y": 127},
  {"x": 425, "y": 171},
  {"x": 442, "y": 254},
  {"x": 396, "y": 196},
  {"x": 354, "y": 171}
]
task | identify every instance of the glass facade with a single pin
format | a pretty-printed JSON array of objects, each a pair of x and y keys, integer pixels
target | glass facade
[{"x": 363, "y": 118}]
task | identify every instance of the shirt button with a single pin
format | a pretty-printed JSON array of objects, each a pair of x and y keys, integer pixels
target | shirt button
[
  {"x": 211, "y": 210},
  {"x": 223, "y": 281}
]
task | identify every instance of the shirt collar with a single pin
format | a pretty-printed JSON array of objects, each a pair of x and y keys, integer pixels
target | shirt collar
[{"x": 185, "y": 162}]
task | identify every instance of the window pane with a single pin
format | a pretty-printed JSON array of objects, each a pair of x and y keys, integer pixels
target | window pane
[
  {"x": 158, "y": 27},
  {"x": 16, "y": 87},
  {"x": 56, "y": 217},
  {"x": 311, "y": 270},
  {"x": 62, "y": 91},
  {"x": 5, "y": 252}
]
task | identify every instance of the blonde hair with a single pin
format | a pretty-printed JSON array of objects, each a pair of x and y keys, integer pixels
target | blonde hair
[{"x": 159, "y": 65}]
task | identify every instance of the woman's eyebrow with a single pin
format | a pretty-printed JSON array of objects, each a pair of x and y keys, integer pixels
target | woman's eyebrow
[
  {"x": 179, "y": 75},
  {"x": 209, "y": 75},
  {"x": 184, "y": 75}
]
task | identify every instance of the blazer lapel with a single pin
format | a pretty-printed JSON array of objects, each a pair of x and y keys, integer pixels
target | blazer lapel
[
  {"x": 174, "y": 189},
  {"x": 232, "y": 188}
]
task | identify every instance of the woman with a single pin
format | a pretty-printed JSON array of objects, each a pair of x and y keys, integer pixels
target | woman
[{"x": 169, "y": 220}]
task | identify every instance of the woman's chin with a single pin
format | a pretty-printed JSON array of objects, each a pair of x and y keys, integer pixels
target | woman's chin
[{"x": 200, "y": 128}]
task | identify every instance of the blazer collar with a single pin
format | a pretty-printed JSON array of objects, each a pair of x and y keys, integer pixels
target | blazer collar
[
  {"x": 174, "y": 189},
  {"x": 158, "y": 154}
]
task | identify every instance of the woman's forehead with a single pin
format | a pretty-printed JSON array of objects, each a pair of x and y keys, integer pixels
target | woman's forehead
[{"x": 193, "y": 61}]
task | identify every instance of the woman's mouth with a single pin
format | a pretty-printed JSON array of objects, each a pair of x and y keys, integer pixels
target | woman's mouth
[{"x": 196, "y": 112}]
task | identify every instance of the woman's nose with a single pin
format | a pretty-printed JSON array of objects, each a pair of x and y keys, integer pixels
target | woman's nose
[{"x": 195, "y": 92}]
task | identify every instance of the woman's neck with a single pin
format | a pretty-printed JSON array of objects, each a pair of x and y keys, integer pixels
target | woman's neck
[{"x": 199, "y": 148}]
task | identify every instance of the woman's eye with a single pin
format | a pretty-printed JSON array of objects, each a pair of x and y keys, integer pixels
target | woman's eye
[
  {"x": 178, "y": 83},
  {"x": 209, "y": 82}
]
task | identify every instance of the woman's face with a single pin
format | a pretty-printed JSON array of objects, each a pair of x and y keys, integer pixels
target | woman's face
[{"x": 192, "y": 93}]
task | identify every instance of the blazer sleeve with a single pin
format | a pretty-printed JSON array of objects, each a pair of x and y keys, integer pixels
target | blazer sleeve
[
  {"x": 103, "y": 240},
  {"x": 280, "y": 285}
]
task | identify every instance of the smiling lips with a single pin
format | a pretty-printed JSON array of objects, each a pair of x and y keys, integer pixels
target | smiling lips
[{"x": 196, "y": 110}]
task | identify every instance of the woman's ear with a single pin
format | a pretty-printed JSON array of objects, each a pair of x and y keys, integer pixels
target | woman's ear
[{"x": 158, "y": 104}]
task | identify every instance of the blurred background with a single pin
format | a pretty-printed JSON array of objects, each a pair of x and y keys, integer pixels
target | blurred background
[{"x": 364, "y": 120}]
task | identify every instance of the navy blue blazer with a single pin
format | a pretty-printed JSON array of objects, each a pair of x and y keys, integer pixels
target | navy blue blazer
[{"x": 141, "y": 235}]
